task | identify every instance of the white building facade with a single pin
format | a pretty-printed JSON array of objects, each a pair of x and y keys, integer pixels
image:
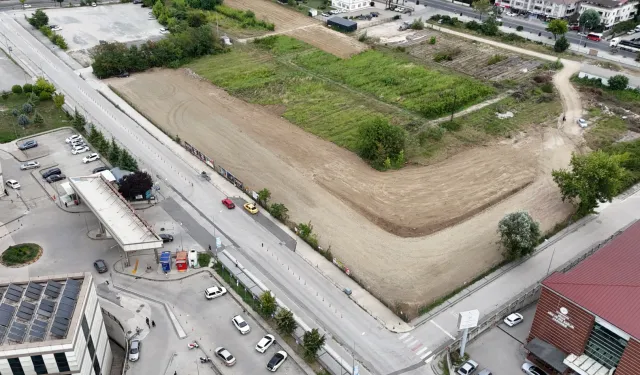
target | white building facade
[
  {"x": 548, "y": 8},
  {"x": 349, "y": 4},
  {"x": 611, "y": 12},
  {"x": 56, "y": 327}
]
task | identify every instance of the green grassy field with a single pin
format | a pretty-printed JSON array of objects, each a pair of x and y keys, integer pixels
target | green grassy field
[
  {"x": 331, "y": 98},
  {"x": 9, "y": 128},
  {"x": 605, "y": 132}
]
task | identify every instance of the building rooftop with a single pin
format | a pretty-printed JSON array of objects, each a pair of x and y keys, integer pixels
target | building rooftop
[
  {"x": 39, "y": 309},
  {"x": 608, "y": 282},
  {"x": 123, "y": 223},
  {"x": 606, "y": 3},
  {"x": 342, "y": 21}
]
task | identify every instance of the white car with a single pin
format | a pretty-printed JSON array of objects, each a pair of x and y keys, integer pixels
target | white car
[
  {"x": 241, "y": 324},
  {"x": 214, "y": 292},
  {"x": 530, "y": 369},
  {"x": 513, "y": 319},
  {"x": 265, "y": 343},
  {"x": 227, "y": 358},
  {"x": 26, "y": 6},
  {"x": 134, "y": 350},
  {"x": 467, "y": 368},
  {"x": 90, "y": 158},
  {"x": 57, "y": 28},
  {"x": 277, "y": 360},
  {"x": 94, "y": 4},
  {"x": 583, "y": 123},
  {"x": 30, "y": 165},
  {"x": 79, "y": 150},
  {"x": 163, "y": 31},
  {"x": 13, "y": 184},
  {"x": 77, "y": 143},
  {"x": 631, "y": 32}
]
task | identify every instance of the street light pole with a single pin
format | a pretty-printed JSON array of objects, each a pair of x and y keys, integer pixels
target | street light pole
[{"x": 552, "y": 254}]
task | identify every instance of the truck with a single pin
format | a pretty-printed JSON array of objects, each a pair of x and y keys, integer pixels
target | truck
[{"x": 625, "y": 45}]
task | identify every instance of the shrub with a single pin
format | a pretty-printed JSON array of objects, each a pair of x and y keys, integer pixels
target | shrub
[
  {"x": 519, "y": 234},
  {"x": 446, "y": 55},
  {"x": 27, "y": 108},
  {"x": 38, "y": 119},
  {"x": 279, "y": 211},
  {"x": 20, "y": 254},
  {"x": 417, "y": 24},
  {"x": 285, "y": 322},
  {"x": 379, "y": 140},
  {"x": 45, "y": 95},
  {"x": 496, "y": 59},
  {"x": 46, "y": 31},
  {"x": 5, "y": 95},
  {"x": 432, "y": 40},
  {"x": 16, "y": 89},
  {"x": 38, "y": 19},
  {"x": 204, "y": 259},
  {"x": 547, "y": 87},
  {"x": 473, "y": 25},
  {"x": 519, "y": 28},
  {"x": 268, "y": 304},
  {"x": 27, "y": 87},
  {"x": 23, "y": 120},
  {"x": 512, "y": 38},
  {"x": 561, "y": 45},
  {"x": 618, "y": 82}
]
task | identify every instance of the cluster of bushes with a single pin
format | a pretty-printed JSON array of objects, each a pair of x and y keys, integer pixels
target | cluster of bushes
[
  {"x": 417, "y": 24},
  {"x": 381, "y": 144},
  {"x": 618, "y": 82},
  {"x": 40, "y": 20},
  {"x": 115, "y": 58},
  {"x": 247, "y": 18},
  {"x": 496, "y": 59},
  {"x": 26, "y": 113},
  {"x": 447, "y": 55}
]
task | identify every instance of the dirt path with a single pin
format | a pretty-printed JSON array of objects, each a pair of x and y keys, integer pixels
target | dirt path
[{"x": 473, "y": 108}]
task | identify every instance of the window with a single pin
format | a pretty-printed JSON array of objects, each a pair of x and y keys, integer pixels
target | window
[
  {"x": 96, "y": 367},
  {"x": 61, "y": 361},
  {"x": 85, "y": 327},
  {"x": 38, "y": 364},
  {"x": 16, "y": 366},
  {"x": 605, "y": 346}
]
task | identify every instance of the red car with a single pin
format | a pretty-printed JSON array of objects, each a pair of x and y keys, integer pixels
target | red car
[{"x": 228, "y": 203}]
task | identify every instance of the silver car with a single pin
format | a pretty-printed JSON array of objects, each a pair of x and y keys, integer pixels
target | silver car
[
  {"x": 134, "y": 350},
  {"x": 30, "y": 165}
]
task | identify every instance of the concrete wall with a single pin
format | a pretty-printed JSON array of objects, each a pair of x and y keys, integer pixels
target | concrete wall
[{"x": 114, "y": 329}]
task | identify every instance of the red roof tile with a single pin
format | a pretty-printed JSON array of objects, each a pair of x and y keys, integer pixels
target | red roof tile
[{"x": 608, "y": 282}]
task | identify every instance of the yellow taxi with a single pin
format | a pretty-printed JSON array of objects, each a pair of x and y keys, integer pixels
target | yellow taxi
[{"x": 251, "y": 207}]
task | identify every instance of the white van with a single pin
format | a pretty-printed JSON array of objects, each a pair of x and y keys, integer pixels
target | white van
[{"x": 214, "y": 292}]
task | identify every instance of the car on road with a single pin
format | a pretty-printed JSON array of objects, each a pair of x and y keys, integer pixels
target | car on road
[
  {"x": 277, "y": 360},
  {"x": 166, "y": 237},
  {"x": 214, "y": 292},
  {"x": 80, "y": 149},
  {"x": 13, "y": 184},
  {"x": 631, "y": 32},
  {"x": 513, "y": 319},
  {"x": 30, "y": 165},
  {"x": 485, "y": 372},
  {"x": 94, "y": 4},
  {"x": 583, "y": 123},
  {"x": 227, "y": 358},
  {"x": 164, "y": 31},
  {"x": 228, "y": 203},
  {"x": 530, "y": 369},
  {"x": 374, "y": 14},
  {"x": 467, "y": 368},
  {"x": 100, "y": 169},
  {"x": 55, "y": 178},
  {"x": 25, "y": 6},
  {"x": 265, "y": 343},
  {"x": 51, "y": 172},
  {"x": 251, "y": 207},
  {"x": 241, "y": 324},
  {"x": 90, "y": 158},
  {"x": 28, "y": 144},
  {"x": 100, "y": 266},
  {"x": 325, "y": 15},
  {"x": 74, "y": 137},
  {"x": 134, "y": 350}
]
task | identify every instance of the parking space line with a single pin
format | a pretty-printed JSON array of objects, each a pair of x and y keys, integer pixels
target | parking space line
[
  {"x": 426, "y": 355},
  {"x": 421, "y": 350}
]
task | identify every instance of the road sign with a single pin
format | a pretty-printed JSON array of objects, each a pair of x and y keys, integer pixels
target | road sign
[{"x": 468, "y": 319}]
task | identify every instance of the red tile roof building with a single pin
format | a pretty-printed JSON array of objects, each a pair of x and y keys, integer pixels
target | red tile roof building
[{"x": 588, "y": 319}]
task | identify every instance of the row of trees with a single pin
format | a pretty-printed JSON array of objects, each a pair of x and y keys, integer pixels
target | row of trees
[
  {"x": 40, "y": 21},
  {"x": 117, "y": 156}
]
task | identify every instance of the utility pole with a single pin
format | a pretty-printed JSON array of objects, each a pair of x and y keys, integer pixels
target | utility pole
[{"x": 453, "y": 108}]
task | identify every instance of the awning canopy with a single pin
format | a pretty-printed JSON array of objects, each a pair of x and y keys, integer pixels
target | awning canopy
[{"x": 551, "y": 355}]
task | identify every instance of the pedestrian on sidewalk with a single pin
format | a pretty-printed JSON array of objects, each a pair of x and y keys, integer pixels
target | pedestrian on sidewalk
[
  {"x": 148, "y": 323},
  {"x": 564, "y": 118},
  {"x": 175, "y": 373},
  {"x": 153, "y": 323}
]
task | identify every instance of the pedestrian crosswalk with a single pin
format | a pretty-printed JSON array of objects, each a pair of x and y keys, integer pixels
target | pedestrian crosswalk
[{"x": 417, "y": 347}]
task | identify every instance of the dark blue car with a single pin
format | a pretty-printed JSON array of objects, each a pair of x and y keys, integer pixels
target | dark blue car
[{"x": 28, "y": 144}]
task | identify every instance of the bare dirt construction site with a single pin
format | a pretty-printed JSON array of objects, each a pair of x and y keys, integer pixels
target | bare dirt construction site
[
  {"x": 297, "y": 25},
  {"x": 349, "y": 203}
]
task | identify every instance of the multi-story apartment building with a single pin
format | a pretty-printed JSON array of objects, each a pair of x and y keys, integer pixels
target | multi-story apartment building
[
  {"x": 547, "y": 8},
  {"x": 350, "y": 4},
  {"x": 611, "y": 11},
  {"x": 52, "y": 325}
]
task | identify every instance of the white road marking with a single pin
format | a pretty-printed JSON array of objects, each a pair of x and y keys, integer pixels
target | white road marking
[
  {"x": 442, "y": 329},
  {"x": 426, "y": 355},
  {"x": 407, "y": 339},
  {"x": 429, "y": 360},
  {"x": 403, "y": 336},
  {"x": 412, "y": 343},
  {"x": 422, "y": 351}
]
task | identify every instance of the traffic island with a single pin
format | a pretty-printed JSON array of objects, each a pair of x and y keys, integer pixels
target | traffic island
[{"x": 21, "y": 255}]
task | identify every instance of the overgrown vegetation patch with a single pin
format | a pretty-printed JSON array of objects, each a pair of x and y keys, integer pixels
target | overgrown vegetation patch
[{"x": 21, "y": 254}]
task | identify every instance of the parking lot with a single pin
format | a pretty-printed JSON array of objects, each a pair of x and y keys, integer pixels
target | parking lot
[{"x": 500, "y": 349}]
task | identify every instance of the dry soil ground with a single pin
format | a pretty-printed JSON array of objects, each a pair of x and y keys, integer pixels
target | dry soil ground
[
  {"x": 333, "y": 188},
  {"x": 297, "y": 25}
]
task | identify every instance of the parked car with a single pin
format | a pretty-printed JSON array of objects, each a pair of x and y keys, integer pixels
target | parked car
[
  {"x": 513, "y": 319},
  {"x": 80, "y": 149},
  {"x": 94, "y": 4},
  {"x": 214, "y": 292},
  {"x": 241, "y": 324},
  {"x": 134, "y": 350},
  {"x": 374, "y": 14},
  {"x": 57, "y": 28},
  {"x": 251, "y": 207},
  {"x": 164, "y": 31},
  {"x": 467, "y": 368},
  {"x": 265, "y": 343},
  {"x": 102, "y": 42},
  {"x": 26, "y": 6},
  {"x": 55, "y": 178},
  {"x": 77, "y": 142},
  {"x": 228, "y": 203},
  {"x": 583, "y": 123},
  {"x": 123, "y": 75},
  {"x": 100, "y": 169},
  {"x": 166, "y": 237},
  {"x": 227, "y": 358},
  {"x": 325, "y": 15},
  {"x": 100, "y": 266},
  {"x": 277, "y": 360},
  {"x": 74, "y": 137},
  {"x": 30, "y": 165},
  {"x": 91, "y": 157},
  {"x": 51, "y": 172},
  {"x": 530, "y": 369},
  {"x": 485, "y": 372},
  {"x": 28, "y": 144},
  {"x": 13, "y": 184}
]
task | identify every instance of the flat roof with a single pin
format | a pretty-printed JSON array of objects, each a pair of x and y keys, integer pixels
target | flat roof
[
  {"x": 608, "y": 282},
  {"x": 342, "y": 21},
  {"x": 130, "y": 231},
  {"x": 40, "y": 310}
]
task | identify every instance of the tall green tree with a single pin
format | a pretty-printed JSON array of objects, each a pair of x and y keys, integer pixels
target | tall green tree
[
  {"x": 482, "y": 7},
  {"x": 286, "y": 322},
  {"x": 312, "y": 341},
  {"x": 561, "y": 44},
  {"x": 79, "y": 123},
  {"x": 114, "y": 152},
  {"x": 127, "y": 162},
  {"x": 279, "y": 211},
  {"x": 38, "y": 19},
  {"x": 263, "y": 196},
  {"x": 93, "y": 135},
  {"x": 593, "y": 179},
  {"x": 558, "y": 27},
  {"x": 618, "y": 82},
  {"x": 58, "y": 100},
  {"x": 378, "y": 140},
  {"x": 268, "y": 304},
  {"x": 137, "y": 183},
  {"x": 519, "y": 234},
  {"x": 589, "y": 19}
]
